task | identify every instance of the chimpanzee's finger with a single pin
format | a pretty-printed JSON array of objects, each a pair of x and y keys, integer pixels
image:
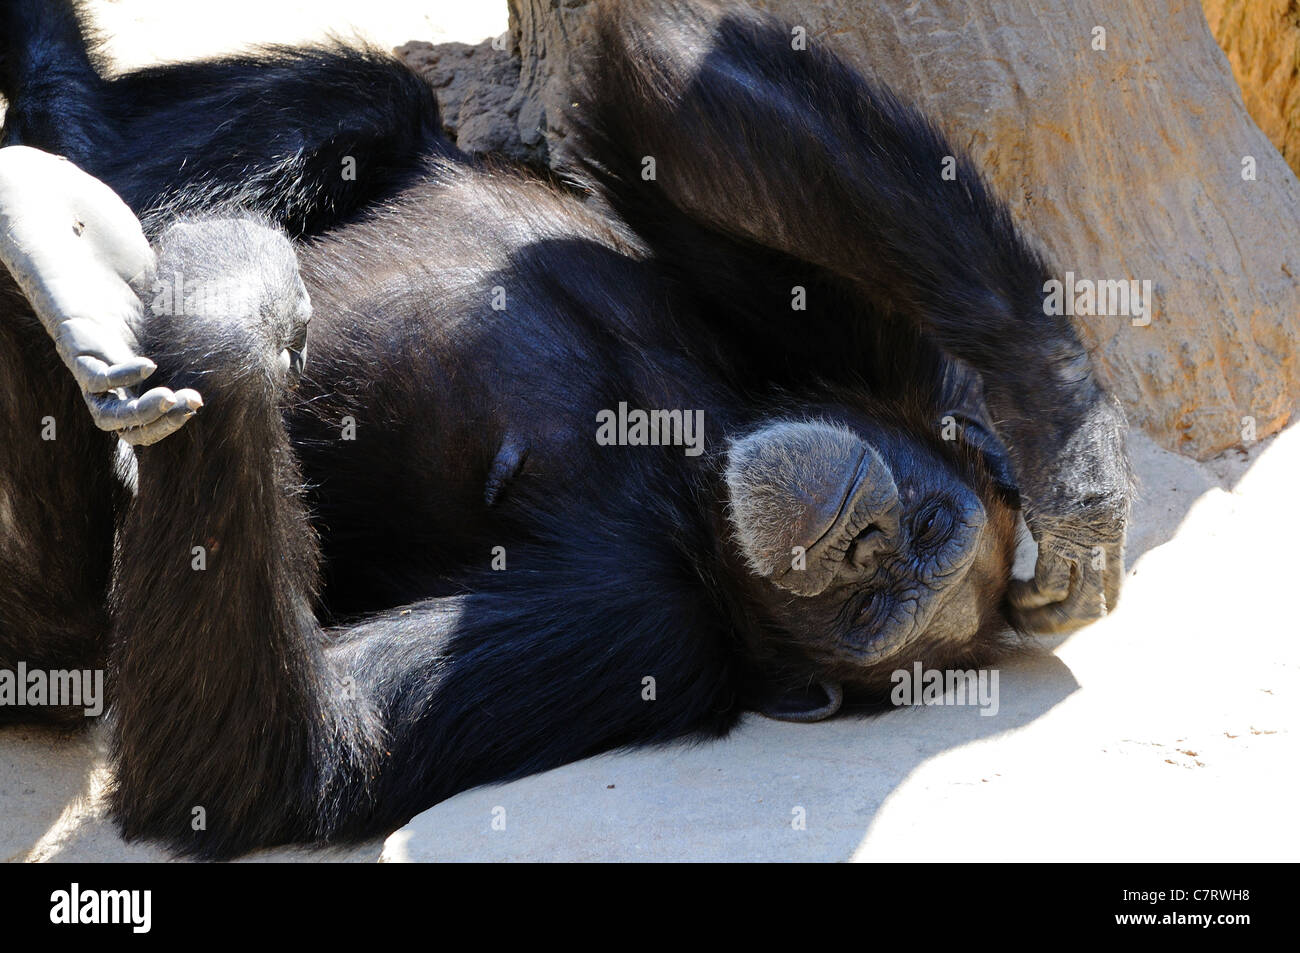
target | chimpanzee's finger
[
  {"x": 1051, "y": 583},
  {"x": 113, "y": 412},
  {"x": 97, "y": 377},
  {"x": 1091, "y": 597},
  {"x": 113, "y": 343},
  {"x": 167, "y": 424}
]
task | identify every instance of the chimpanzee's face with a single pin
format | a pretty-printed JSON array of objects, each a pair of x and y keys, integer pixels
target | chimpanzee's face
[{"x": 874, "y": 548}]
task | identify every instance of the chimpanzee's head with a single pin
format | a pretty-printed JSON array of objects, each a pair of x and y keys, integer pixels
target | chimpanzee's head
[{"x": 870, "y": 546}]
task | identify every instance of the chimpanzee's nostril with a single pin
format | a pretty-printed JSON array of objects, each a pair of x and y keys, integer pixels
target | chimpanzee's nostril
[{"x": 867, "y": 544}]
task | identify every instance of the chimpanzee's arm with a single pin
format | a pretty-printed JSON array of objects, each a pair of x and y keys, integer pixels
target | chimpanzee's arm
[
  {"x": 788, "y": 151},
  {"x": 303, "y": 136}
]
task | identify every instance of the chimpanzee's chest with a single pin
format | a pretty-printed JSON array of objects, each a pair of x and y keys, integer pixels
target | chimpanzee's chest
[{"x": 489, "y": 430}]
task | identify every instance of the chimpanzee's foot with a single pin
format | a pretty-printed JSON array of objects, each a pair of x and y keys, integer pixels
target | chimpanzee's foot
[{"x": 79, "y": 255}]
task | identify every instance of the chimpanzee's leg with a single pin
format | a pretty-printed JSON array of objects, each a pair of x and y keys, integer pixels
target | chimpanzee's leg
[
  {"x": 304, "y": 137},
  {"x": 776, "y": 165},
  {"x": 58, "y": 496},
  {"x": 69, "y": 250}
]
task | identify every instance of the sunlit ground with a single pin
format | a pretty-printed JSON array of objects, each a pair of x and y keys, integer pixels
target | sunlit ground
[{"x": 146, "y": 31}]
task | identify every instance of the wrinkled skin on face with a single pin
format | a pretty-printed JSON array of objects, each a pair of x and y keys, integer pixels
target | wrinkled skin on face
[{"x": 871, "y": 549}]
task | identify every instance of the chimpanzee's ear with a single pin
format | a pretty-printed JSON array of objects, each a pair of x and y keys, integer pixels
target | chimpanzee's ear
[
  {"x": 993, "y": 452},
  {"x": 810, "y": 702}
]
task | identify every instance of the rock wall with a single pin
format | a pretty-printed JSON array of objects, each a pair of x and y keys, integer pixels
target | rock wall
[
  {"x": 478, "y": 94},
  {"x": 1262, "y": 40}
]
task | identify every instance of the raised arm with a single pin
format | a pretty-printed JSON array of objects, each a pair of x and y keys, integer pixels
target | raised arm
[{"x": 703, "y": 119}]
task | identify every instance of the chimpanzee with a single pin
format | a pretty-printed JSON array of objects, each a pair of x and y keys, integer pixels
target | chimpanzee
[{"x": 734, "y": 412}]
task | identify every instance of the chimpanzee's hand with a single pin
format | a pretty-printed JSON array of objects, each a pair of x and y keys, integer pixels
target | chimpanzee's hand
[
  {"x": 79, "y": 255},
  {"x": 1076, "y": 506}
]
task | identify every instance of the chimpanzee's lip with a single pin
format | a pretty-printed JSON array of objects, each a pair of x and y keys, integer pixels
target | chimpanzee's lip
[{"x": 850, "y": 494}]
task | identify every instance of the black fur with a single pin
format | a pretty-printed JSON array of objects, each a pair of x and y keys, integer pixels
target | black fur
[{"x": 349, "y": 657}]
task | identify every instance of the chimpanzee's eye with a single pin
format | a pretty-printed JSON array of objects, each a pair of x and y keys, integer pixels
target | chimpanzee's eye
[
  {"x": 932, "y": 525},
  {"x": 868, "y": 607}
]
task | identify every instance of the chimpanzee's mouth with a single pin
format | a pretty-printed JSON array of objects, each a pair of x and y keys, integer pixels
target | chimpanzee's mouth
[
  {"x": 872, "y": 645},
  {"x": 882, "y": 626}
]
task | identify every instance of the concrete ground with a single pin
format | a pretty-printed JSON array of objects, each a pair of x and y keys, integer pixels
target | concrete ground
[{"x": 1166, "y": 731}]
